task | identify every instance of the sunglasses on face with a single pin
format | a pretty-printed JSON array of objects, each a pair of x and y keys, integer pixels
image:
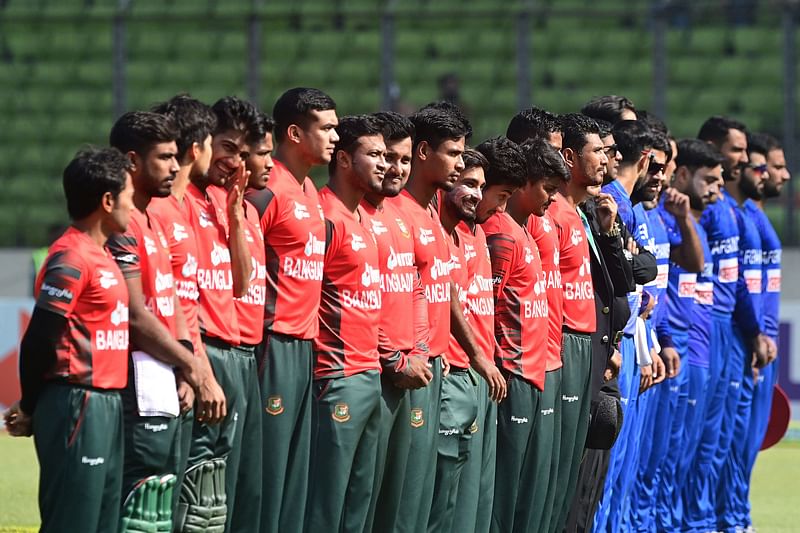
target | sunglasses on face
[
  {"x": 654, "y": 167},
  {"x": 611, "y": 151},
  {"x": 761, "y": 169}
]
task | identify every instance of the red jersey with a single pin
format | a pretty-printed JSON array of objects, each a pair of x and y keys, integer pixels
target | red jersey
[
  {"x": 459, "y": 276},
  {"x": 398, "y": 277},
  {"x": 480, "y": 293},
  {"x": 520, "y": 298},
  {"x": 350, "y": 307},
  {"x": 217, "y": 315},
  {"x": 142, "y": 251},
  {"x": 250, "y": 307},
  {"x": 432, "y": 259},
  {"x": 294, "y": 240},
  {"x": 575, "y": 264},
  {"x": 543, "y": 231},
  {"x": 81, "y": 282},
  {"x": 183, "y": 255}
]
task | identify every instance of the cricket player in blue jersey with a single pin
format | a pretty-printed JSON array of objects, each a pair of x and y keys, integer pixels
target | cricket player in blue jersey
[
  {"x": 762, "y": 178},
  {"x": 719, "y": 221},
  {"x": 698, "y": 171}
]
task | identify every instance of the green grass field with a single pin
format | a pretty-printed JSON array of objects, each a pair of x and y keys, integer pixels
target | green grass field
[{"x": 776, "y": 485}]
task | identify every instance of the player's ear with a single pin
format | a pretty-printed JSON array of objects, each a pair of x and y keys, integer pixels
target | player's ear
[
  {"x": 343, "y": 159},
  {"x": 294, "y": 133},
  {"x": 643, "y": 162},
  {"x": 107, "y": 202},
  {"x": 195, "y": 150},
  {"x": 423, "y": 148},
  {"x": 680, "y": 176},
  {"x": 569, "y": 156},
  {"x": 136, "y": 161}
]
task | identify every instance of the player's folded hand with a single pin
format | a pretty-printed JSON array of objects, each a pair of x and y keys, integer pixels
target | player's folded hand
[
  {"x": 18, "y": 424},
  {"x": 415, "y": 375},
  {"x": 494, "y": 378},
  {"x": 659, "y": 368}
]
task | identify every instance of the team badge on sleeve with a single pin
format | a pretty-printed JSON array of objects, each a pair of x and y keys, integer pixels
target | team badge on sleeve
[
  {"x": 417, "y": 418},
  {"x": 274, "y": 405},
  {"x": 341, "y": 412}
]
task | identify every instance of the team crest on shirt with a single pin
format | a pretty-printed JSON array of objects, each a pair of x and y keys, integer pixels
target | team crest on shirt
[
  {"x": 341, "y": 412},
  {"x": 474, "y": 427},
  {"x": 357, "y": 243},
  {"x": 576, "y": 237},
  {"x": 426, "y": 236},
  {"x": 417, "y": 418},
  {"x": 300, "y": 211},
  {"x": 204, "y": 219},
  {"x": 189, "y": 268},
  {"x": 179, "y": 232},
  {"x": 149, "y": 245},
  {"x": 119, "y": 314},
  {"x": 586, "y": 267},
  {"x": 403, "y": 228},
  {"x": 546, "y": 225},
  {"x": 274, "y": 405},
  {"x": 378, "y": 228},
  {"x": 107, "y": 279},
  {"x": 556, "y": 257},
  {"x": 528, "y": 255}
]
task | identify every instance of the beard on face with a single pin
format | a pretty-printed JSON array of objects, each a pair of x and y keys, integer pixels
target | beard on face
[
  {"x": 750, "y": 189},
  {"x": 770, "y": 190}
]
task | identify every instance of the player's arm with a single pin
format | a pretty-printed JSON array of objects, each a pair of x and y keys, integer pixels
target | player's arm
[
  {"x": 37, "y": 354},
  {"x": 689, "y": 254},
  {"x": 241, "y": 262},
  {"x": 619, "y": 267}
]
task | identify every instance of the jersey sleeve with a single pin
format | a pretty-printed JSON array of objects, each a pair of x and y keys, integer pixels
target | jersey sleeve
[
  {"x": 63, "y": 280},
  {"x": 422, "y": 333},
  {"x": 745, "y": 314},
  {"x": 124, "y": 249},
  {"x": 501, "y": 252}
]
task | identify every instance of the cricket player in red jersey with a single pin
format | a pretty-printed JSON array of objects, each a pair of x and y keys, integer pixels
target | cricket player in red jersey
[
  {"x": 223, "y": 272},
  {"x": 347, "y": 387},
  {"x": 403, "y": 331},
  {"x": 586, "y": 159},
  {"x": 153, "y": 398},
  {"x": 441, "y": 131},
  {"x": 476, "y": 485},
  {"x": 74, "y": 354},
  {"x": 294, "y": 240},
  {"x": 463, "y": 399},
  {"x": 195, "y": 122}
]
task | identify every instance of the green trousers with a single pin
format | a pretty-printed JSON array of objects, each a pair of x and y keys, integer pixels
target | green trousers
[
  {"x": 476, "y": 488},
  {"x": 79, "y": 443},
  {"x": 421, "y": 468},
  {"x": 238, "y": 437},
  {"x": 394, "y": 440},
  {"x": 546, "y": 451},
  {"x": 459, "y": 411},
  {"x": 345, "y": 428},
  {"x": 285, "y": 367},
  {"x": 576, "y": 355},
  {"x": 185, "y": 443},
  {"x": 516, "y": 461}
]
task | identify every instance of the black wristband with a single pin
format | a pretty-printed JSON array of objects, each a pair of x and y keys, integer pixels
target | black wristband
[{"x": 187, "y": 344}]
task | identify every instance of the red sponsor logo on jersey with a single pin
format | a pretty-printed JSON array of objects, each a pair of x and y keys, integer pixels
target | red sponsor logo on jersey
[
  {"x": 753, "y": 280},
  {"x": 686, "y": 285},
  {"x": 773, "y": 280}
]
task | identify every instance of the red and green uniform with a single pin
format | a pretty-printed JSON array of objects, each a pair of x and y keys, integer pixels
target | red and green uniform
[
  {"x": 459, "y": 407},
  {"x": 521, "y": 333},
  {"x": 548, "y": 422},
  {"x": 347, "y": 374},
  {"x": 432, "y": 259},
  {"x": 579, "y": 321},
  {"x": 77, "y": 411},
  {"x": 476, "y": 486},
  {"x": 238, "y": 438},
  {"x": 294, "y": 245}
]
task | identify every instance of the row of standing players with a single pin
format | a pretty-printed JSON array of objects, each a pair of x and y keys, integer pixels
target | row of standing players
[{"x": 349, "y": 383}]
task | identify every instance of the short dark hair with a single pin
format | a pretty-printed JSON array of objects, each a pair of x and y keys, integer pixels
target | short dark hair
[
  {"x": 575, "y": 128},
  {"x": 350, "y": 129},
  {"x": 294, "y": 107},
  {"x": 532, "y": 123},
  {"x": 694, "y": 153},
  {"x": 457, "y": 111},
  {"x": 435, "y": 125},
  {"x": 762, "y": 143},
  {"x": 605, "y": 127},
  {"x": 608, "y": 108},
  {"x": 506, "y": 162},
  {"x": 138, "y": 131},
  {"x": 194, "y": 120},
  {"x": 715, "y": 129},
  {"x": 661, "y": 142},
  {"x": 92, "y": 173},
  {"x": 396, "y": 127},
  {"x": 632, "y": 137},
  {"x": 542, "y": 161},
  {"x": 260, "y": 125},
  {"x": 655, "y": 123},
  {"x": 234, "y": 114},
  {"x": 474, "y": 159}
]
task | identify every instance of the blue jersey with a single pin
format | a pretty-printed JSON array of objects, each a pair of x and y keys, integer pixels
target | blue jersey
[
  {"x": 770, "y": 268},
  {"x": 748, "y": 312},
  {"x": 704, "y": 296},
  {"x": 659, "y": 245},
  {"x": 719, "y": 221}
]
